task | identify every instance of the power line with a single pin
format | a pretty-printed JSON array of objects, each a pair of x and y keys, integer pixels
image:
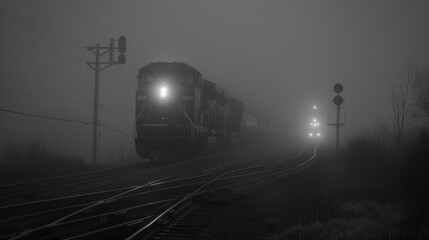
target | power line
[
  {"x": 118, "y": 127},
  {"x": 64, "y": 120},
  {"x": 114, "y": 113},
  {"x": 17, "y": 80},
  {"x": 115, "y": 130},
  {"x": 42, "y": 98},
  {"x": 31, "y": 61},
  {"x": 35, "y": 41},
  {"x": 40, "y": 30},
  {"x": 45, "y": 117},
  {"x": 39, "y": 49}
]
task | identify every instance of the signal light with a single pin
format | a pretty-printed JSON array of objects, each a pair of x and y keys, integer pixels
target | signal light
[
  {"x": 121, "y": 59},
  {"x": 338, "y": 100},
  {"x": 338, "y": 88},
  {"x": 122, "y": 41}
]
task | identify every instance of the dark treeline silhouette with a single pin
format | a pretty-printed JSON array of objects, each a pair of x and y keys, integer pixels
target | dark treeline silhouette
[
  {"x": 418, "y": 174},
  {"x": 20, "y": 162},
  {"x": 375, "y": 189}
]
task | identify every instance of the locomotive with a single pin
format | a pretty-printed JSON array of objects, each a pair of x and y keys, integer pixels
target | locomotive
[{"x": 177, "y": 110}]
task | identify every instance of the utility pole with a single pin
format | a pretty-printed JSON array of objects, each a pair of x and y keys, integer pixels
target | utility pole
[
  {"x": 338, "y": 100},
  {"x": 98, "y": 66}
]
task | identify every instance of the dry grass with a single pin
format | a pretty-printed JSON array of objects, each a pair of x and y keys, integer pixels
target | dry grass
[
  {"x": 21, "y": 162},
  {"x": 363, "y": 194},
  {"x": 362, "y": 220}
]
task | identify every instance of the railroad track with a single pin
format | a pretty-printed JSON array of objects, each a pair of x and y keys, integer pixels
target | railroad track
[
  {"x": 56, "y": 186},
  {"x": 140, "y": 211},
  {"x": 188, "y": 218},
  {"x": 80, "y": 183}
]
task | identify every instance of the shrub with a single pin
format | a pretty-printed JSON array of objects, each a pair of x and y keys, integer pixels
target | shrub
[{"x": 37, "y": 160}]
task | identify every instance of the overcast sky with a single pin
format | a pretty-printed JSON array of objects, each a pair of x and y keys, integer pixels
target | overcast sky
[{"x": 279, "y": 56}]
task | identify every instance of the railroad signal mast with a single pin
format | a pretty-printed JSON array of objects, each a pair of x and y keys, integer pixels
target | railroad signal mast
[
  {"x": 98, "y": 66},
  {"x": 338, "y": 100}
]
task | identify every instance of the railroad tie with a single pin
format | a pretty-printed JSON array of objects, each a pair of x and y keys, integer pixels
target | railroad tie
[{"x": 190, "y": 224}]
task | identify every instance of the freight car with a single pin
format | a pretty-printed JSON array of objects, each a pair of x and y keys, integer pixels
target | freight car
[{"x": 177, "y": 110}]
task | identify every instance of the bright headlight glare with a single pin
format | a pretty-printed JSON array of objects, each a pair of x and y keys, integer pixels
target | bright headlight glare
[{"x": 163, "y": 92}]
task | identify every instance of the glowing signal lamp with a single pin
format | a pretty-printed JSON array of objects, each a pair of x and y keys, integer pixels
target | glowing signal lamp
[
  {"x": 163, "y": 92},
  {"x": 318, "y": 134},
  {"x": 314, "y": 107},
  {"x": 314, "y": 119},
  {"x": 311, "y": 134}
]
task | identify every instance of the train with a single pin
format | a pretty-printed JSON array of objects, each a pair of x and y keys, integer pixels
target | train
[{"x": 177, "y": 111}]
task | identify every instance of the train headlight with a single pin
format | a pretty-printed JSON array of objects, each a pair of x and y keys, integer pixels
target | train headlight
[{"x": 163, "y": 91}]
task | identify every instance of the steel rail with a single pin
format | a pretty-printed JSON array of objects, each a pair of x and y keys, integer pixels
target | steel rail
[
  {"x": 180, "y": 205},
  {"x": 97, "y": 222},
  {"x": 22, "y": 208},
  {"x": 175, "y": 180},
  {"x": 90, "y": 206},
  {"x": 86, "y": 208},
  {"x": 50, "y": 179},
  {"x": 19, "y": 187},
  {"x": 199, "y": 183}
]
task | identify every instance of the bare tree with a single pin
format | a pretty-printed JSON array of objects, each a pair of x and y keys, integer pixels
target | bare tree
[
  {"x": 421, "y": 89},
  {"x": 380, "y": 133},
  {"x": 402, "y": 107}
]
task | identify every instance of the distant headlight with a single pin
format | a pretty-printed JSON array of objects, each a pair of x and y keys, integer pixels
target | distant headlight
[
  {"x": 311, "y": 134},
  {"x": 163, "y": 92}
]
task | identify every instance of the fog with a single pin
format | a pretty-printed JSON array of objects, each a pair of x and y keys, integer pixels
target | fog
[{"x": 279, "y": 57}]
